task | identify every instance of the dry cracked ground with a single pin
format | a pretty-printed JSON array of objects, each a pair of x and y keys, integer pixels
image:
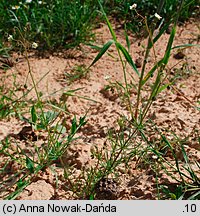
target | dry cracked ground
[{"x": 173, "y": 112}]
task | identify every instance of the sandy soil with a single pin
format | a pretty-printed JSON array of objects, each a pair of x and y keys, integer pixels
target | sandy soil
[{"x": 173, "y": 110}]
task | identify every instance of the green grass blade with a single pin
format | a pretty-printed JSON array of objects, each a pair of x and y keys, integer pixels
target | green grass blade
[
  {"x": 127, "y": 57},
  {"x": 150, "y": 73},
  {"x": 165, "y": 59},
  {"x": 15, "y": 19},
  {"x": 174, "y": 156},
  {"x": 163, "y": 87},
  {"x": 188, "y": 168},
  {"x": 128, "y": 44},
  {"x": 108, "y": 23},
  {"x": 161, "y": 32},
  {"x": 156, "y": 86},
  {"x": 185, "y": 46},
  {"x": 33, "y": 115},
  {"x": 102, "y": 51},
  {"x": 96, "y": 47},
  {"x": 184, "y": 155},
  {"x": 169, "y": 46},
  {"x": 30, "y": 165},
  {"x": 72, "y": 91},
  {"x": 195, "y": 196}
]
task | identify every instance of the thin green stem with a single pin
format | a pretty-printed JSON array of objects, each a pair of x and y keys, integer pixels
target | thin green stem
[
  {"x": 120, "y": 57},
  {"x": 150, "y": 41},
  {"x": 158, "y": 81}
]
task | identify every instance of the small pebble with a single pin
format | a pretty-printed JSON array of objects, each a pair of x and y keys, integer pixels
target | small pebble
[{"x": 179, "y": 55}]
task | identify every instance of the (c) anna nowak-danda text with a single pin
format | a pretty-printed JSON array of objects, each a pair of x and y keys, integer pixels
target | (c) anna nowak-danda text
[{"x": 67, "y": 208}]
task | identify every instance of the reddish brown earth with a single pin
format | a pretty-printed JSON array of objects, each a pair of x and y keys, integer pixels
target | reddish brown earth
[{"x": 174, "y": 110}]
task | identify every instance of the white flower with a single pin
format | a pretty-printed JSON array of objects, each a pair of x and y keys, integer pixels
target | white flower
[
  {"x": 155, "y": 157},
  {"x": 39, "y": 2},
  {"x": 132, "y": 7},
  {"x": 16, "y": 7},
  {"x": 157, "y": 16},
  {"x": 10, "y": 38},
  {"x": 34, "y": 45},
  {"x": 28, "y": 1},
  {"x": 107, "y": 77}
]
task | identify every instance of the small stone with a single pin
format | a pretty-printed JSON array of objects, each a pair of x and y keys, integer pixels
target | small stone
[
  {"x": 179, "y": 55},
  {"x": 138, "y": 62},
  {"x": 107, "y": 189}
]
